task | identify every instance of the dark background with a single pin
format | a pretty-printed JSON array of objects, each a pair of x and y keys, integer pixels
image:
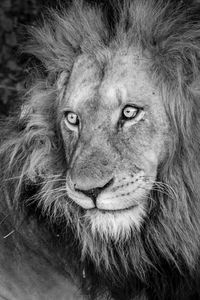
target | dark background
[{"x": 14, "y": 15}]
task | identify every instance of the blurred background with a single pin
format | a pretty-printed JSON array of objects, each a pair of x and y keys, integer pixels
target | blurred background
[{"x": 14, "y": 15}]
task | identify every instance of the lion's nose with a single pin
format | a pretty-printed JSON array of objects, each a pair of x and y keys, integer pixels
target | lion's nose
[{"x": 94, "y": 192}]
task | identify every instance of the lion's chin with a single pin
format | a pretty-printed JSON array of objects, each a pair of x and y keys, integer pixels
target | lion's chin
[{"x": 115, "y": 224}]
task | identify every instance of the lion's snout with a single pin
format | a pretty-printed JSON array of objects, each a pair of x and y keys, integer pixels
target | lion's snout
[{"x": 93, "y": 193}]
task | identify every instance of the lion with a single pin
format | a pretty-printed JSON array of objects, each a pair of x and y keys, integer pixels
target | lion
[{"x": 100, "y": 164}]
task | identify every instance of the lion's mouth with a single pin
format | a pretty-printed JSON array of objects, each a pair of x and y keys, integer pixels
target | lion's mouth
[
  {"x": 107, "y": 207},
  {"x": 111, "y": 200},
  {"x": 119, "y": 196},
  {"x": 103, "y": 203}
]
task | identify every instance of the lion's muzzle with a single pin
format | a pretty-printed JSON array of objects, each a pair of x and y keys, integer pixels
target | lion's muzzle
[{"x": 94, "y": 192}]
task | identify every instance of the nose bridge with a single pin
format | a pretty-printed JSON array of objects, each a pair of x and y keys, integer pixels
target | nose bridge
[
  {"x": 93, "y": 165},
  {"x": 100, "y": 144},
  {"x": 96, "y": 131},
  {"x": 100, "y": 137},
  {"x": 93, "y": 159}
]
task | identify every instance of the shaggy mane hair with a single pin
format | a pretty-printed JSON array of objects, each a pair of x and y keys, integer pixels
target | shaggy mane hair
[{"x": 161, "y": 261}]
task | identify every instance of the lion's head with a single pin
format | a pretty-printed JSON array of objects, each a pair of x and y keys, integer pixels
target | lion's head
[
  {"x": 109, "y": 138},
  {"x": 114, "y": 130}
]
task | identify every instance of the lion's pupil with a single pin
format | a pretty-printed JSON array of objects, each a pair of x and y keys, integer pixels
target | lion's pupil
[{"x": 73, "y": 118}]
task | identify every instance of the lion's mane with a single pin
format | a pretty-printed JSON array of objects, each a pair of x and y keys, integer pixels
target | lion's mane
[{"x": 162, "y": 260}]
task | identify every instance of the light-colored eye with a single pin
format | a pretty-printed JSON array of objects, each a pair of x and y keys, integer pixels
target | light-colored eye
[
  {"x": 130, "y": 112},
  {"x": 71, "y": 120}
]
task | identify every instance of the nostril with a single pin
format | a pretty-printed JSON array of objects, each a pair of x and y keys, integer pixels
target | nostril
[{"x": 94, "y": 192}]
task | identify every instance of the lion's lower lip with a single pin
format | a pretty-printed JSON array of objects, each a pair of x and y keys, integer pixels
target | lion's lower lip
[{"x": 114, "y": 210}]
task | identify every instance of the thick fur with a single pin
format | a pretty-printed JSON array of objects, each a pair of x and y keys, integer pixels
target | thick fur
[{"x": 161, "y": 261}]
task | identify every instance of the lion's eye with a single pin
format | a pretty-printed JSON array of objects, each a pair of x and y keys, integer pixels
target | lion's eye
[
  {"x": 131, "y": 115},
  {"x": 71, "y": 119},
  {"x": 130, "y": 112}
]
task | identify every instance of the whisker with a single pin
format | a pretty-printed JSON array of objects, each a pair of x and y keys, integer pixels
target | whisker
[
  {"x": 6, "y": 236},
  {"x": 161, "y": 187}
]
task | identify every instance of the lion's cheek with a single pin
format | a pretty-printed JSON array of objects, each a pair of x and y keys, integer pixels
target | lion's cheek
[{"x": 150, "y": 163}]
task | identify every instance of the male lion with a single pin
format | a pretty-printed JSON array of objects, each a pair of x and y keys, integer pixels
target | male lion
[{"x": 100, "y": 169}]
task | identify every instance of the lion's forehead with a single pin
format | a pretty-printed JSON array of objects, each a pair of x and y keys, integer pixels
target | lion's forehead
[
  {"x": 83, "y": 82},
  {"x": 122, "y": 78}
]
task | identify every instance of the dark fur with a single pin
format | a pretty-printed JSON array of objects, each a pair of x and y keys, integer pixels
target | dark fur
[{"x": 163, "y": 260}]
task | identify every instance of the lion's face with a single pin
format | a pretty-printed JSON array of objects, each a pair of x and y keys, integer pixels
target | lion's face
[{"x": 113, "y": 126}]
